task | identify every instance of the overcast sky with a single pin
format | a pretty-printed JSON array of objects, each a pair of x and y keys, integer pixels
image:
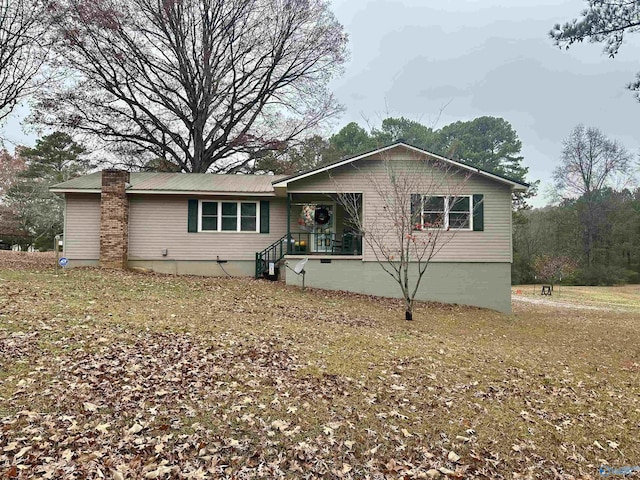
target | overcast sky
[
  {"x": 486, "y": 57},
  {"x": 410, "y": 57}
]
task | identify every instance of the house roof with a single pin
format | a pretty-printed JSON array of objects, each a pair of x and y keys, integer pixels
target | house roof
[
  {"x": 515, "y": 184},
  {"x": 177, "y": 183},
  {"x": 231, "y": 184}
]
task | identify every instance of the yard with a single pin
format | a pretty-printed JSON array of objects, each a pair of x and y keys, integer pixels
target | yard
[
  {"x": 619, "y": 298},
  {"x": 129, "y": 375}
]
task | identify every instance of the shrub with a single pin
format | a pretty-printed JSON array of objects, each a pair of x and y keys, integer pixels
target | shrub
[{"x": 601, "y": 275}]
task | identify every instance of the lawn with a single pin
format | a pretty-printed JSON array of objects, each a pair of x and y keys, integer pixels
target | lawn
[
  {"x": 623, "y": 297},
  {"x": 129, "y": 375}
]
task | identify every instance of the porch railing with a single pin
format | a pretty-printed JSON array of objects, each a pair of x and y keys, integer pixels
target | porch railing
[{"x": 305, "y": 243}]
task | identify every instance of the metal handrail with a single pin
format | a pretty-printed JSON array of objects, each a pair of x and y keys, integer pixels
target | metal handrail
[
  {"x": 299, "y": 243},
  {"x": 273, "y": 253}
]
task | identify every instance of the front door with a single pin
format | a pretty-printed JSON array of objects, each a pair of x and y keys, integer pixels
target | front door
[{"x": 322, "y": 235}]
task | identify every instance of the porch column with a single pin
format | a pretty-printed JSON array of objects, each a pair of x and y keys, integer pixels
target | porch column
[{"x": 288, "y": 223}]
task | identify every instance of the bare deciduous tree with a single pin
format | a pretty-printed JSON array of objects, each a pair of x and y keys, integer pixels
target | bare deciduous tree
[
  {"x": 55, "y": 158},
  {"x": 419, "y": 210},
  {"x": 205, "y": 84},
  {"x": 11, "y": 230},
  {"x": 552, "y": 269},
  {"x": 10, "y": 168},
  {"x": 589, "y": 163},
  {"x": 23, "y": 48}
]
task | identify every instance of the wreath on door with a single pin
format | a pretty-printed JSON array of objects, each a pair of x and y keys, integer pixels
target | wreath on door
[
  {"x": 322, "y": 215},
  {"x": 307, "y": 217}
]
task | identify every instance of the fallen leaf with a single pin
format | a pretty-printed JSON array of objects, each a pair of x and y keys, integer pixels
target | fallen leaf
[
  {"x": 453, "y": 457},
  {"x": 103, "y": 427},
  {"x": 12, "y": 472},
  {"x": 279, "y": 425},
  {"x": 136, "y": 428},
  {"x": 22, "y": 451},
  {"x": 11, "y": 446}
]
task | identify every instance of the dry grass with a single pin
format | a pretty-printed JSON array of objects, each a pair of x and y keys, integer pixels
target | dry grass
[
  {"x": 149, "y": 375},
  {"x": 625, "y": 297}
]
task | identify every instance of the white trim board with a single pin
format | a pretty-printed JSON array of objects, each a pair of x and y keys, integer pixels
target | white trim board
[
  {"x": 309, "y": 192},
  {"x": 201, "y": 192},
  {"x": 74, "y": 190},
  {"x": 170, "y": 192}
]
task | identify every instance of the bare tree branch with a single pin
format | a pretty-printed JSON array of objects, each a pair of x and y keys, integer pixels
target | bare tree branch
[
  {"x": 589, "y": 163},
  {"x": 206, "y": 84},
  {"x": 24, "y": 44},
  {"x": 402, "y": 235}
]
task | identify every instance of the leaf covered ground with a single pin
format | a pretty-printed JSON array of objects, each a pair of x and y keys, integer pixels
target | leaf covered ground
[{"x": 129, "y": 375}]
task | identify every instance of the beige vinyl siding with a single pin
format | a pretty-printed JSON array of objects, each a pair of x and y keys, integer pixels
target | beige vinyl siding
[
  {"x": 158, "y": 222},
  {"x": 82, "y": 227},
  {"x": 491, "y": 245}
]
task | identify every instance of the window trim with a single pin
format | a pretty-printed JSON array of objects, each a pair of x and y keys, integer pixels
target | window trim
[
  {"x": 447, "y": 212},
  {"x": 219, "y": 215}
]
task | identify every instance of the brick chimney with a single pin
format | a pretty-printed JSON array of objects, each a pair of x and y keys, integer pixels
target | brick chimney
[{"x": 114, "y": 219}]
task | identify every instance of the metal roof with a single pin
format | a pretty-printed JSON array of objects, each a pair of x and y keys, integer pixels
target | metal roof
[
  {"x": 146, "y": 182},
  {"x": 183, "y": 183}
]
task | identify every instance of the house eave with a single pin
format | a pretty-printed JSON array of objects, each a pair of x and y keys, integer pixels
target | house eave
[
  {"x": 75, "y": 190},
  {"x": 169, "y": 192},
  {"x": 201, "y": 192}
]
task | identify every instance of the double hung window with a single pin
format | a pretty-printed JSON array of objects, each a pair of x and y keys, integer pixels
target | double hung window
[
  {"x": 229, "y": 216},
  {"x": 446, "y": 212}
]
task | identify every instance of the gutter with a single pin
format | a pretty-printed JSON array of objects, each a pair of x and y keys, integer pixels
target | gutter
[{"x": 169, "y": 192}]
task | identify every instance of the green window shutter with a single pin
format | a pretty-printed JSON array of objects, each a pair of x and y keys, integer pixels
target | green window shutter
[
  {"x": 478, "y": 213},
  {"x": 264, "y": 216},
  {"x": 192, "y": 223},
  {"x": 416, "y": 209}
]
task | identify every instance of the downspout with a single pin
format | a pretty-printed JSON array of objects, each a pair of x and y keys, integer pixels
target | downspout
[{"x": 64, "y": 228}]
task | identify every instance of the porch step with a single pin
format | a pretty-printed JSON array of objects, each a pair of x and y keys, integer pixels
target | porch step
[{"x": 274, "y": 253}]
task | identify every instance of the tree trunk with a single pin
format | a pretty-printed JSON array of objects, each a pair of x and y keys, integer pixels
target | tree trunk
[{"x": 408, "y": 309}]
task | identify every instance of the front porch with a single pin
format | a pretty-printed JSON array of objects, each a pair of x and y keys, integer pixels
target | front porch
[{"x": 317, "y": 225}]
